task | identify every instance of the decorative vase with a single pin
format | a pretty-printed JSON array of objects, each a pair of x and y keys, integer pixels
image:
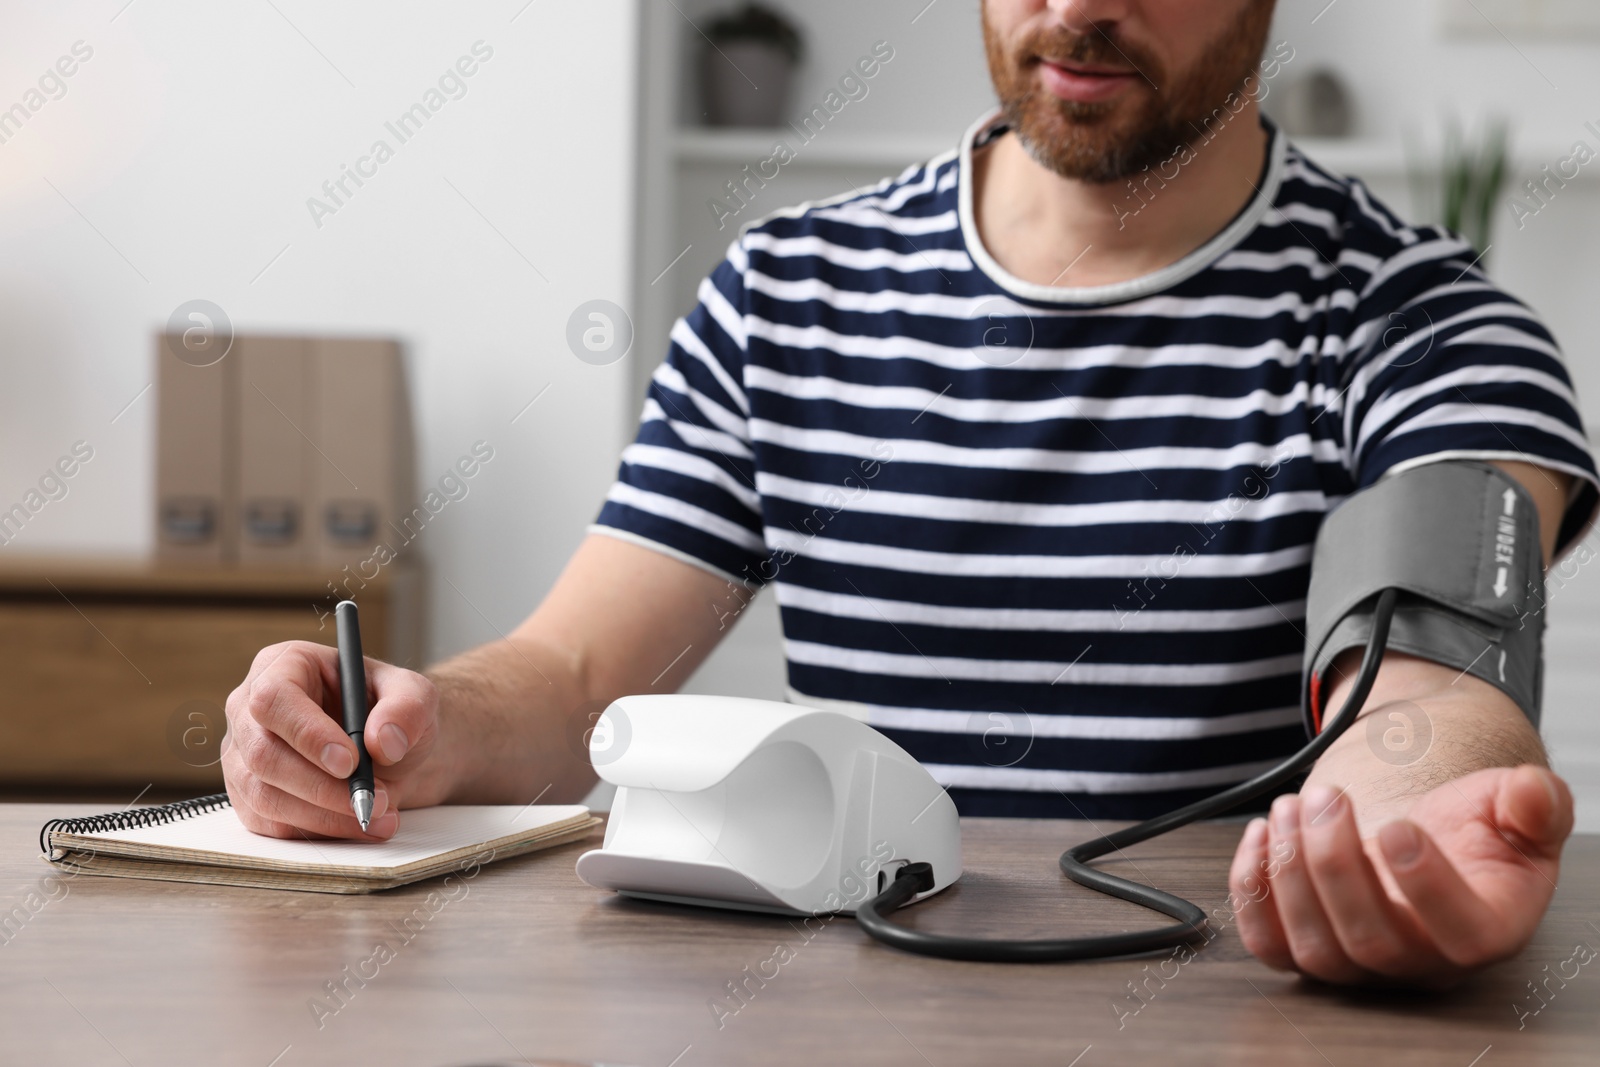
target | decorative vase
[
  {"x": 1316, "y": 105},
  {"x": 745, "y": 83}
]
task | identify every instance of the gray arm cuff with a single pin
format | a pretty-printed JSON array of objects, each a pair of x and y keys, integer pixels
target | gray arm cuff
[{"x": 1460, "y": 540}]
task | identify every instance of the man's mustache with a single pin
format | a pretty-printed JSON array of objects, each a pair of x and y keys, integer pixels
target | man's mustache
[{"x": 1096, "y": 49}]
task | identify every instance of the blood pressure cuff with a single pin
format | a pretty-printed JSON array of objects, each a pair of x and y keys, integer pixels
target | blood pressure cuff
[{"x": 1460, "y": 541}]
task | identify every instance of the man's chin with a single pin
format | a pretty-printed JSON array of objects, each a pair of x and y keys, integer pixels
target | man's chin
[{"x": 1095, "y": 151}]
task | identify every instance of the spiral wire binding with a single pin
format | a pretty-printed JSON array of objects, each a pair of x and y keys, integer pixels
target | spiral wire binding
[{"x": 130, "y": 819}]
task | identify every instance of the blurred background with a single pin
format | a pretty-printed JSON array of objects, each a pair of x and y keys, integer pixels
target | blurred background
[{"x": 497, "y": 281}]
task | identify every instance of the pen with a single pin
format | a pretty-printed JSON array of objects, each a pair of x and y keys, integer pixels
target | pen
[{"x": 353, "y": 692}]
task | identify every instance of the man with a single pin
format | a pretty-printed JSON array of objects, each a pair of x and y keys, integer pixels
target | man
[{"x": 1033, "y": 443}]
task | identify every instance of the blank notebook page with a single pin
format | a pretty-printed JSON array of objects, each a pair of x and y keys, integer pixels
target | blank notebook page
[{"x": 424, "y": 833}]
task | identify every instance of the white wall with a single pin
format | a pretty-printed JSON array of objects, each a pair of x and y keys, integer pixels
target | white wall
[
  {"x": 178, "y": 165},
  {"x": 1406, "y": 70}
]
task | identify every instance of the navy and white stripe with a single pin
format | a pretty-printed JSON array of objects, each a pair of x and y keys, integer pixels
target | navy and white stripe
[{"x": 1071, "y": 584}]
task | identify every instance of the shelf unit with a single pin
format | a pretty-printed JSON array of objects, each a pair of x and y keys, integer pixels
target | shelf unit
[
  {"x": 831, "y": 149},
  {"x": 117, "y": 669},
  {"x": 1360, "y": 156}
]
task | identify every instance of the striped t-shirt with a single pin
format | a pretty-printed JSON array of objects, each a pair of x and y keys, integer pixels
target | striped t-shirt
[{"x": 1055, "y": 542}]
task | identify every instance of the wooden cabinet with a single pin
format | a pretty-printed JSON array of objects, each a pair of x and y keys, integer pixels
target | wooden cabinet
[{"x": 114, "y": 673}]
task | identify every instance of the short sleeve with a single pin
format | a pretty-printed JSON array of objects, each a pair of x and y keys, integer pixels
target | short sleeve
[
  {"x": 1449, "y": 366},
  {"x": 686, "y": 485}
]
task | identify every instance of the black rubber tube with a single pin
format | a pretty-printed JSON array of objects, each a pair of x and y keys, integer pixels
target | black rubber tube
[{"x": 1191, "y": 925}]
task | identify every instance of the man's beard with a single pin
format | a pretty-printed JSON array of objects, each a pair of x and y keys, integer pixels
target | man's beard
[{"x": 1109, "y": 141}]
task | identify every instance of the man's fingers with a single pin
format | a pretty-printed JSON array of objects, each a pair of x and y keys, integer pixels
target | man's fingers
[
  {"x": 1536, "y": 804},
  {"x": 257, "y": 823},
  {"x": 268, "y": 759},
  {"x": 284, "y": 711},
  {"x": 1253, "y": 906},
  {"x": 1312, "y": 942},
  {"x": 1374, "y": 933},
  {"x": 299, "y": 662},
  {"x": 286, "y": 758},
  {"x": 1462, "y": 927},
  {"x": 312, "y": 821},
  {"x": 404, "y": 719},
  {"x": 284, "y": 702}
]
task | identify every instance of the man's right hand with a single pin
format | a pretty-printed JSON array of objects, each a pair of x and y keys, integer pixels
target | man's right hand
[
  {"x": 621, "y": 619},
  {"x": 286, "y": 757}
]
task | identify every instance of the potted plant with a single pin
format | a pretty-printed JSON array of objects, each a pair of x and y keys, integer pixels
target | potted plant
[
  {"x": 1461, "y": 191},
  {"x": 748, "y": 65}
]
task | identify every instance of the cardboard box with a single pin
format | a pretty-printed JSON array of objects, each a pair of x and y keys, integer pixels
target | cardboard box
[
  {"x": 365, "y": 473},
  {"x": 196, "y": 465},
  {"x": 288, "y": 451},
  {"x": 275, "y": 412}
]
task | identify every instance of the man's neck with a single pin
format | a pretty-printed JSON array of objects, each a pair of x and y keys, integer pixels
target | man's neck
[{"x": 1051, "y": 230}]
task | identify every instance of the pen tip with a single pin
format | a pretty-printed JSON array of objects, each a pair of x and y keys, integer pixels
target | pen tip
[{"x": 361, "y": 803}]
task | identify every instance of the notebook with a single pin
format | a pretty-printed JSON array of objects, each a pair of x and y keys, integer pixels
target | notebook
[{"x": 202, "y": 840}]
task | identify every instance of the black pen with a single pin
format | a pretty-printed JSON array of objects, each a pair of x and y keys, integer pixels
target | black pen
[{"x": 353, "y": 693}]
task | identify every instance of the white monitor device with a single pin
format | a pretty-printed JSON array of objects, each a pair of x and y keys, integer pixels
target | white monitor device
[{"x": 762, "y": 806}]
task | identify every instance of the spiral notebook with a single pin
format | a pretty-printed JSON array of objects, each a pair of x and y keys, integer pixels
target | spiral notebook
[{"x": 202, "y": 840}]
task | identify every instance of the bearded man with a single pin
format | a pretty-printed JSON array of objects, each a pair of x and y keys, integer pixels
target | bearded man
[{"x": 1032, "y": 444}]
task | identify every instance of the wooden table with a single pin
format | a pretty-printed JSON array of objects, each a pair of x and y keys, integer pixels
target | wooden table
[{"x": 527, "y": 963}]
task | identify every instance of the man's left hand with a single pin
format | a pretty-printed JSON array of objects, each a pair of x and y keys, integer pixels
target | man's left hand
[{"x": 1459, "y": 883}]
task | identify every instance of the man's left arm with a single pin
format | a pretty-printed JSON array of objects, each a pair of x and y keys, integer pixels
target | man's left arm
[{"x": 1422, "y": 854}]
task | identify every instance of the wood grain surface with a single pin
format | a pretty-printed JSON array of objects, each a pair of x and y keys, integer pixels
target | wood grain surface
[
  {"x": 117, "y": 671},
  {"x": 51, "y": 576},
  {"x": 521, "y": 962}
]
